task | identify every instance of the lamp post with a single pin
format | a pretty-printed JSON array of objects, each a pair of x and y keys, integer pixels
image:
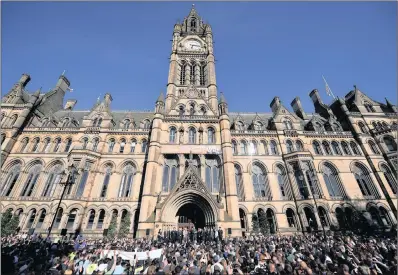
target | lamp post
[{"x": 69, "y": 181}]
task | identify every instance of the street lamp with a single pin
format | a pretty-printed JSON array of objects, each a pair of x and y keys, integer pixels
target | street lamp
[{"x": 69, "y": 181}]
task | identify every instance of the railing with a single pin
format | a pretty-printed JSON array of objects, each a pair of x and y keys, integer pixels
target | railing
[
  {"x": 266, "y": 198},
  {"x": 325, "y": 133},
  {"x": 191, "y": 117},
  {"x": 253, "y": 132}
]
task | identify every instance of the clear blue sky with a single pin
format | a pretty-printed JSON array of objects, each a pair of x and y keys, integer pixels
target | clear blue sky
[{"x": 263, "y": 49}]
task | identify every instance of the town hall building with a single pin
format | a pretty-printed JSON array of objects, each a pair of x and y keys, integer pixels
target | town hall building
[{"x": 193, "y": 162}]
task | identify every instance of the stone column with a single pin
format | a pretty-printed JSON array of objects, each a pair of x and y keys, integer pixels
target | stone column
[
  {"x": 197, "y": 74},
  {"x": 187, "y": 74},
  {"x": 182, "y": 160},
  {"x": 22, "y": 221}
]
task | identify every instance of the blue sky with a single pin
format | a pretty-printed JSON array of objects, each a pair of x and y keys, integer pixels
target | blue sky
[{"x": 263, "y": 49}]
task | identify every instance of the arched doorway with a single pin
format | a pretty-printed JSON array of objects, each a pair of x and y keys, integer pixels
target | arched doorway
[
  {"x": 243, "y": 219},
  {"x": 311, "y": 220},
  {"x": 190, "y": 215}
]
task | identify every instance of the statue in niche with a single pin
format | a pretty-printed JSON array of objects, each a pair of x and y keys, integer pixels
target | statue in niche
[
  {"x": 201, "y": 137},
  {"x": 181, "y": 136}
]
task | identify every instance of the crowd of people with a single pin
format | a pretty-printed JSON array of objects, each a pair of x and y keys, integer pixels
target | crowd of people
[{"x": 206, "y": 251}]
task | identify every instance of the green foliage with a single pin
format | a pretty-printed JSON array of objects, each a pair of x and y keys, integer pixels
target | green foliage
[
  {"x": 263, "y": 223},
  {"x": 112, "y": 229},
  {"x": 255, "y": 224},
  {"x": 125, "y": 226},
  {"x": 9, "y": 223}
]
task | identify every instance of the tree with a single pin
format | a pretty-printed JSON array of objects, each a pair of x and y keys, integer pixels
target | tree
[
  {"x": 263, "y": 222},
  {"x": 255, "y": 224},
  {"x": 9, "y": 223},
  {"x": 112, "y": 229},
  {"x": 125, "y": 226}
]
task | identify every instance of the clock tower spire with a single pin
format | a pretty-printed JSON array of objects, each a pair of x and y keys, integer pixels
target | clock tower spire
[{"x": 192, "y": 68}]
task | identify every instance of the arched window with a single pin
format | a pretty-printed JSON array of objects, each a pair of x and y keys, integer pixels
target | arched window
[
  {"x": 362, "y": 127},
  {"x": 365, "y": 183},
  {"x": 36, "y": 143},
  {"x": 274, "y": 148},
  {"x": 265, "y": 147},
  {"x": 105, "y": 185},
  {"x": 191, "y": 109},
  {"x": 283, "y": 183},
  {"x": 57, "y": 144},
  {"x": 291, "y": 217},
  {"x": 126, "y": 184},
  {"x": 355, "y": 148},
  {"x": 240, "y": 126},
  {"x": 299, "y": 146},
  {"x": 170, "y": 174},
  {"x": 101, "y": 219},
  {"x": 289, "y": 146},
  {"x": 373, "y": 147},
  {"x": 375, "y": 215},
  {"x": 65, "y": 122},
  {"x": 58, "y": 218},
  {"x": 34, "y": 173},
  {"x": 182, "y": 72},
  {"x": 53, "y": 179},
  {"x": 369, "y": 108},
  {"x": 31, "y": 219},
  {"x": 144, "y": 146},
  {"x": 193, "y": 24},
  {"x": 173, "y": 133},
  {"x": 126, "y": 125},
  {"x": 326, "y": 147},
  {"x": 85, "y": 142},
  {"x": 346, "y": 148},
  {"x": 336, "y": 148},
  {"x": 11, "y": 179},
  {"x": 375, "y": 126},
  {"x": 181, "y": 111},
  {"x": 213, "y": 175},
  {"x": 234, "y": 147},
  {"x": 318, "y": 127},
  {"x": 385, "y": 125},
  {"x": 41, "y": 218},
  {"x": 24, "y": 145},
  {"x": 390, "y": 143},
  {"x": 333, "y": 182},
  {"x": 203, "y": 110},
  {"x": 47, "y": 144},
  {"x": 302, "y": 185},
  {"x": 122, "y": 145},
  {"x": 260, "y": 182},
  {"x": 239, "y": 182},
  {"x": 83, "y": 180},
  {"x": 99, "y": 122},
  {"x": 192, "y": 135},
  {"x": 111, "y": 145},
  {"x": 13, "y": 120},
  {"x": 95, "y": 144},
  {"x": 288, "y": 124},
  {"x": 147, "y": 124},
  {"x": 211, "y": 136},
  {"x": 95, "y": 122},
  {"x": 317, "y": 147},
  {"x": 392, "y": 182},
  {"x": 384, "y": 216},
  {"x": 253, "y": 148},
  {"x": 91, "y": 218},
  {"x": 132, "y": 146},
  {"x": 323, "y": 216},
  {"x": 68, "y": 144},
  {"x": 243, "y": 147},
  {"x": 71, "y": 219}
]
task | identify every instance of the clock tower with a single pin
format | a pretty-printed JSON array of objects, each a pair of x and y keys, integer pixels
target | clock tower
[{"x": 192, "y": 70}]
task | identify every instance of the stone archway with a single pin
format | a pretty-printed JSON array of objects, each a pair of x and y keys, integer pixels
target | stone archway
[{"x": 187, "y": 204}]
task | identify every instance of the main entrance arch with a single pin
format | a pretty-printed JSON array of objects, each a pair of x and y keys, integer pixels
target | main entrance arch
[{"x": 189, "y": 208}]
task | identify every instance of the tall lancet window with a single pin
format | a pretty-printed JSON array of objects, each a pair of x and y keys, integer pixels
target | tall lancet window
[
  {"x": 170, "y": 174},
  {"x": 54, "y": 177},
  {"x": 193, "y": 24},
  {"x": 202, "y": 74},
  {"x": 126, "y": 184},
  {"x": 182, "y": 73},
  {"x": 213, "y": 175},
  {"x": 30, "y": 183},
  {"x": 192, "y": 73}
]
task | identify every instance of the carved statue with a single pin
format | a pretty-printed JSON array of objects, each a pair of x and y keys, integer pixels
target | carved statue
[
  {"x": 200, "y": 137},
  {"x": 182, "y": 137}
]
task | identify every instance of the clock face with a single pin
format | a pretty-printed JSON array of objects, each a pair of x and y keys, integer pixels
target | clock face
[{"x": 193, "y": 45}]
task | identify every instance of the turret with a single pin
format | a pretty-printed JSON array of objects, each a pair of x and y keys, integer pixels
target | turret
[
  {"x": 159, "y": 108},
  {"x": 222, "y": 105}
]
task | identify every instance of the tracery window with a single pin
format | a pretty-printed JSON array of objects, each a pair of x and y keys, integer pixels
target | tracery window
[
  {"x": 274, "y": 148},
  {"x": 126, "y": 184},
  {"x": 105, "y": 185},
  {"x": 317, "y": 147},
  {"x": 346, "y": 148},
  {"x": 260, "y": 182},
  {"x": 34, "y": 173},
  {"x": 10, "y": 180},
  {"x": 173, "y": 134},
  {"x": 336, "y": 148},
  {"x": 332, "y": 181},
  {"x": 170, "y": 174},
  {"x": 213, "y": 170},
  {"x": 53, "y": 179},
  {"x": 289, "y": 146},
  {"x": 365, "y": 183}
]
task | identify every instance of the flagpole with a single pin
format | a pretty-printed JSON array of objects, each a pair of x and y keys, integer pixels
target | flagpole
[{"x": 328, "y": 88}]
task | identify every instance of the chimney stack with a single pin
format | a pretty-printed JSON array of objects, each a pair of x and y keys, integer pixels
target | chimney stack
[
  {"x": 275, "y": 104},
  {"x": 298, "y": 108},
  {"x": 63, "y": 83},
  {"x": 315, "y": 97},
  {"x": 24, "y": 80}
]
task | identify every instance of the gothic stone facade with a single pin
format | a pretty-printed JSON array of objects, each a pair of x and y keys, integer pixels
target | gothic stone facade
[{"x": 194, "y": 159}]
